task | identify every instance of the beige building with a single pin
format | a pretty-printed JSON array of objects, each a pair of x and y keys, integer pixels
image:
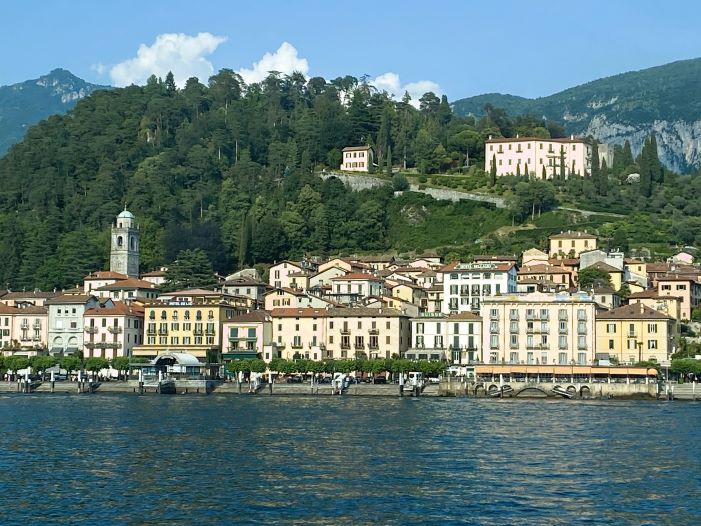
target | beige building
[
  {"x": 635, "y": 333},
  {"x": 188, "y": 321},
  {"x": 340, "y": 333},
  {"x": 112, "y": 331},
  {"x": 278, "y": 275},
  {"x": 356, "y": 159},
  {"x": 128, "y": 290},
  {"x": 571, "y": 244},
  {"x": 668, "y": 305},
  {"x": 539, "y": 329}
]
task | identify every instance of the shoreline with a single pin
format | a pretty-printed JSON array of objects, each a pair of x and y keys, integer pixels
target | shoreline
[{"x": 211, "y": 388}]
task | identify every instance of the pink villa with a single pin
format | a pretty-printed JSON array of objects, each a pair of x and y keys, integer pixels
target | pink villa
[{"x": 530, "y": 155}]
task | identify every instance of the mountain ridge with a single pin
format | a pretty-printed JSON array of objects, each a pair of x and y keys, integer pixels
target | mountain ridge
[
  {"x": 626, "y": 106},
  {"x": 26, "y": 103}
]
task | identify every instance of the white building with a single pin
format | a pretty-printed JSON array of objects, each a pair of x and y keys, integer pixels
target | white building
[
  {"x": 67, "y": 321},
  {"x": 356, "y": 159},
  {"x": 466, "y": 285},
  {"x": 456, "y": 338}
]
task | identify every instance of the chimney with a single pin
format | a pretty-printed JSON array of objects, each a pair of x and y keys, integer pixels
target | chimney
[
  {"x": 572, "y": 137},
  {"x": 490, "y": 137}
]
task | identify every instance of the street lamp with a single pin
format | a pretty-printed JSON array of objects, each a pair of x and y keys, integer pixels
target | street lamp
[{"x": 640, "y": 350}]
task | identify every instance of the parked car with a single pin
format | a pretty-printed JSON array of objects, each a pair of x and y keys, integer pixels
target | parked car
[
  {"x": 293, "y": 380},
  {"x": 380, "y": 380}
]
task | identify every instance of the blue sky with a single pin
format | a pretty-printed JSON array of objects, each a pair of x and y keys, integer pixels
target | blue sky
[{"x": 460, "y": 48}]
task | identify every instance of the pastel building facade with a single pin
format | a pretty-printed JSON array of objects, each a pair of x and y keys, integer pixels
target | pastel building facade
[
  {"x": 537, "y": 157},
  {"x": 571, "y": 244},
  {"x": 356, "y": 159},
  {"x": 539, "y": 328},
  {"x": 111, "y": 332},
  {"x": 635, "y": 333}
]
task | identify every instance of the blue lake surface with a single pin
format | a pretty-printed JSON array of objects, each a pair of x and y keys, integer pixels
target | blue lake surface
[{"x": 126, "y": 459}]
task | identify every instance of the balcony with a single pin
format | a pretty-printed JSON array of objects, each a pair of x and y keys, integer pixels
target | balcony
[
  {"x": 25, "y": 338},
  {"x": 345, "y": 346},
  {"x": 197, "y": 332},
  {"x": 106, "y": 345},
  {"x": 36, "y": 325},
  {"x": 91, "y": 329},
  {"x": 359, "y": 346},
  {"x": 164, "y": 332},
  {"x": 345, "y": 330},
  {"x": 374, "y": 331},
  {"x": 373, "y": 346},
  {"x": 36, "y": 338},
  {"x": 297, "y": 345},
  {"x": 115, "y": 329},
  {"x": 24, "y": 325},
  {"x": 151, "y": 331},
  {"x": 632, "y": 334},
  {"x": 209, "y": 332}
]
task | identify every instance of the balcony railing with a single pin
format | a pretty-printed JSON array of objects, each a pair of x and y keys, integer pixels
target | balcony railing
[
  {"x": 197, "y": 332},
  {"x": 105, "y": 345},
  {"x": 374, "y": 331},
  {"x": 359, "y": 346},
  {"x": 345, "y": 346},
  {"x": 115, "y": 329},
  {"x": 345, "y": 330},
  {"x": 297, "y": 345},
  {"x": 91, "y": 329},
  {"x": 151, "y": 331},
  {"x": 164, "y": 332},
  {"x": 632, "y": 334},
  {"x": 209, "y": 332}
]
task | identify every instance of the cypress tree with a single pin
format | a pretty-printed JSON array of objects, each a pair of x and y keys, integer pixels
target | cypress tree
[
  {"x": 493, "y": 171},
  {"x": 389, "y": 161},
  {"x": 518, "y": 170},
  {"x": 595, "y": 163},
  {"x": 526, "y": 172},
  {"x": 170, "y": 84},
  {"x": 656, "y": 170},
  {"x": 543, "y": 174},
  {"x": 645, "y": 172},
  {"x": 626, "y": 155},
  {"x": 602, "y": 182},
  {"x": 562, "y": 163}
]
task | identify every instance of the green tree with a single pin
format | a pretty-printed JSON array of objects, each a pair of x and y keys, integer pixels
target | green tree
[
  {"x": 400, "y": 183},
  {"x": 493, "y": 171},
  {"x": 95, "y": 364},
  {"x": 71, "y": 363},
  {"x": 191, "y": 269},
  {"x": 121, "y": 364},
  {"x": 593, "y": 277}
]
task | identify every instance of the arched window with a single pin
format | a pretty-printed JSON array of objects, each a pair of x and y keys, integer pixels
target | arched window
[
  {"x": 199, "y": 315},
  {"x": 175, "y": 315},
  {"x": 187, "y": 314},
  {"x": 152, "y": 315},
  {"x": 164, "y": 316},
  {"x": 120, "y": 241},
  {"x": 210, "y": 315},
  {"x": 132, "y": 243}
]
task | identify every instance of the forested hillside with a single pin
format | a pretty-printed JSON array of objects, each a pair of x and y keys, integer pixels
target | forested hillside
[{"x": 228, "y": 168}]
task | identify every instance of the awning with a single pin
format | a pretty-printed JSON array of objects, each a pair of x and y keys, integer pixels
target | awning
[
  {"x": 56, "y": 350},
  {"x": 240, "y": 355},
  {"x": 71, "y": 350}
]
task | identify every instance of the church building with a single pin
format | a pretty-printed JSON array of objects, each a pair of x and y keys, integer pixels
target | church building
[{"x": 124, "y": 253}]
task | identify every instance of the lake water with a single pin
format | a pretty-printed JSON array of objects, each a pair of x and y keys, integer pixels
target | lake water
[{"x": 125, "y": 459}]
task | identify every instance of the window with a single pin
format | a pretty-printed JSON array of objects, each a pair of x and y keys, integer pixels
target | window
[
  {"x": 611, "y": 328},
  {"x": 562, "y": 343},
  {"x": 494, "y": 341},
  {"x": 611, "y": 347},
  {"x": 652, "y": 344},
  {"x": 513, "y": 357},
  {"x": 581, "y": 342},
  {"x": 562, "y": 358},
  {"x": 652, "y": 328},
  {"x": 582, "y": 358},
  {"x": 514, "y": 341}
]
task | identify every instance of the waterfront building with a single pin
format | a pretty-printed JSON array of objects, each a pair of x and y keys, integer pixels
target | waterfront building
[
  {"x": 249, "y": 335},
  {"x": 23, "y": 330},
  {"x": 539, "y": 328},
  {"x": 537, "y": 157},
  {"x": 635, "y": 333},
  {"x": 124, "y": 253},
  {"x": 188, "y": 321},
  {"x": 363, "y": 332},
  {"x": 571, "y": 244},
  {"x": 67, "y": 321},
  {"x": 456, "y": 338},
  {"x": 300, "y": 332},
  {"x": 635, "y": 270},
  {"x": 467, "y": 285},
  {"x": 356, "y": 159},
  {"x": 113, "y": 331}
]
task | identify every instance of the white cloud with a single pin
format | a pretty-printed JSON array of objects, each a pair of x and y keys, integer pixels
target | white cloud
[
  {"x": 182, "y": 54},
  {"x": 285, "y": 60},
  {"x": 391, "y": 83},
  {"x": 98, "y": 68}
]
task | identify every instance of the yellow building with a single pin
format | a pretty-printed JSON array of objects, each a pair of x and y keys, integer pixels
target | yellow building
[
  {"x": 635, "y": 333},
  {"x": 188, "y": 321},
  {"x": 571, "y": 244},
  {"x": 669, "y": 305}
]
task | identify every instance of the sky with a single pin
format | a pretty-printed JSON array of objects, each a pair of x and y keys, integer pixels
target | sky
[{"x": 457, "y": 48}]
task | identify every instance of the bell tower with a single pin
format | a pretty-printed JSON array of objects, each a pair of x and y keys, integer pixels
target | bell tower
[{"x": 124, "y": 253}]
